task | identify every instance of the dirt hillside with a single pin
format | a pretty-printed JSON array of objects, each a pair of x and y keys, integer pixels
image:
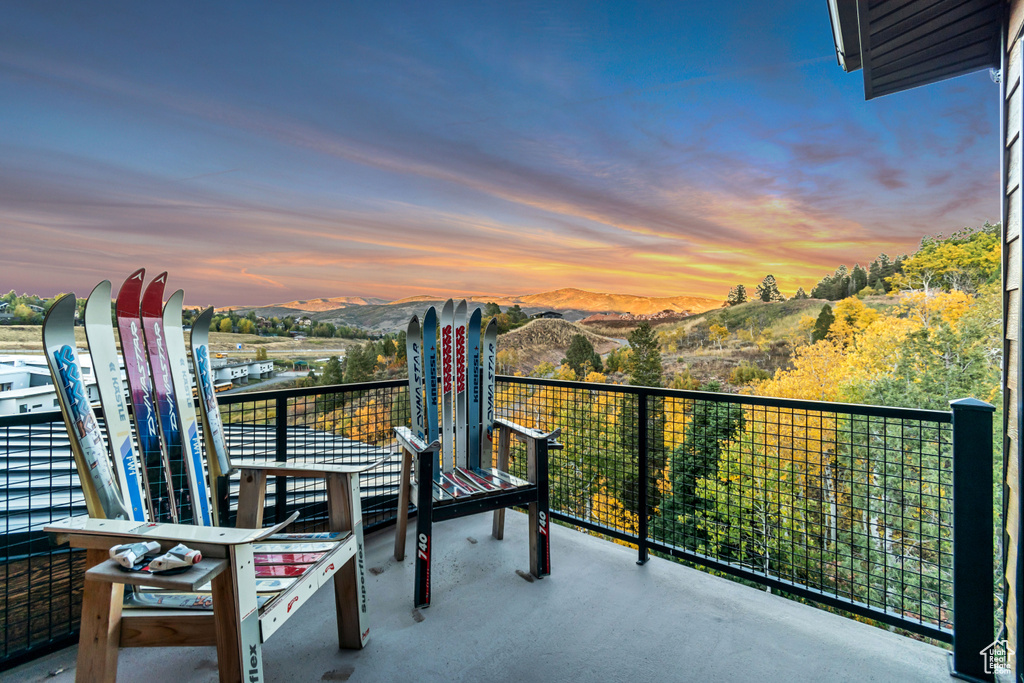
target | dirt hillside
[{"x": 548, "y": 340}]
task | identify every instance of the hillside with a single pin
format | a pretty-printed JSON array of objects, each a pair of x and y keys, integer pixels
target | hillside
[
  {"x": 548, "y": 340},
  {"x": 600, "y": 302}
]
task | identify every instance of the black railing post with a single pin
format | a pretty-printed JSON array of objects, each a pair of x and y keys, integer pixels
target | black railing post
[
  {"x": 281, "y": 455},
  {"x": 973, "y": 560},
  {"x": 641, "y": 417}
]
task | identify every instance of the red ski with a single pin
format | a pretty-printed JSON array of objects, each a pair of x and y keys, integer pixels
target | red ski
[
  {"x": 290, "y": 571},
  {"x": 287, "y": 558}
]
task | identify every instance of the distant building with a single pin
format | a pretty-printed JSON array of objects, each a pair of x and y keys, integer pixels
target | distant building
[
  {"x": 26, "y": 386},
  {"x": 547, "y": 314}
]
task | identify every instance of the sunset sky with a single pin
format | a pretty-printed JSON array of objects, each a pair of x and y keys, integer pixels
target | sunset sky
[{"x": 264, "y": 152}]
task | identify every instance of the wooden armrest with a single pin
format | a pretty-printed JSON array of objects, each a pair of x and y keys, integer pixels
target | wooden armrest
[
  {"x": 527, "y": 432},
  {"x": 188, "y": 581},
  {"x": 188, "y": 534},
  {"x": 305, "y": 469},
  {"x": 412, "y": 443}
]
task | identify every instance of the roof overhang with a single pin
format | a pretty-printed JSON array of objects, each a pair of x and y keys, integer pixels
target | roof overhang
[{"x": 901, "y": 44}]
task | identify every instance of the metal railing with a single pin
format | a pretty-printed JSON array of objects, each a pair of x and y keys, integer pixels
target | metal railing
[{"x": 849, "y": 506}]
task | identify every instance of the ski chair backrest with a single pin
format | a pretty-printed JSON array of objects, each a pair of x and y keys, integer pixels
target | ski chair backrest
[
  {"x": 162, "y": 474},
  {"x": 452, "y": 363}
]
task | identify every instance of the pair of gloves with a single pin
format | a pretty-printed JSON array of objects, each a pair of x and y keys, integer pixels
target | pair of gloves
[{"x": 132, "y": 556}]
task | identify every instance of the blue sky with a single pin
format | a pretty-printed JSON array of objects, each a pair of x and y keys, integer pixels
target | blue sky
[{"x": 263, "y": 152}]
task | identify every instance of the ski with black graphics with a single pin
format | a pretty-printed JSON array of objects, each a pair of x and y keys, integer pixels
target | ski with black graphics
[
  {"x": 90, "y": 454},
  {"x": 99, "y": 330},
  {"x": 430, "y": 379},
  {"x": 144, "y": 410},
  {"x": 415, "y": 361},
  {"x": 489, "y": 354},
  {"x": 447, "y": 383},
  {"x": 213, "y": 425},
  {"x": 473, "y": 388},
  {"x": 163, "y": 394},
  {"x": 460, "y": 385},
  {"x": 181, "y": 382}
]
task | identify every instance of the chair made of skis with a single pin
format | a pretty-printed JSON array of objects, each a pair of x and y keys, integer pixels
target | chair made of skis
[
  {"x": 448, "y": 472},
  {"x": 251, "y": 580}
]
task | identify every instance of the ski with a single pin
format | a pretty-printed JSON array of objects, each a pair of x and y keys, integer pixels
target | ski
[
  {"x": 90, "y": 454},
  {"x": 415, "y": 362},
  {"x": 181, "y": 382},
  {"x": 310, "y": 547},
  {"x": 453, "y": 487},
  {"x": 482, "y": 483},
  {"x": 489, "y": 372},
  {"x": 473, "y": 388},
  {"x": 163, "y": 394},
  {"x": 133, "y": 348},
  {"x": 265, "y": 571},
  {"x": 287, "y": 558},
  {"x": 506, "y": 477},
  {"x": 99, "y": 330},
  {"x": 264, "y": 585},
  {"x": 209, "y": 411},
  {"x": 447, "y": 360},
  {"x": 175, "y": 600},
  {"x": 440, "y": 494},
  {"x": 313, "y": 536},
  {"x": 460, "y": 384},
  {"x": 494, "y": 480},
  {"x": 430, "y": 376}
]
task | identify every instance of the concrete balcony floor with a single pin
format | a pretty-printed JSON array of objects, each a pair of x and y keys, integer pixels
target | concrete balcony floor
[{"x": 599, "y": 617}]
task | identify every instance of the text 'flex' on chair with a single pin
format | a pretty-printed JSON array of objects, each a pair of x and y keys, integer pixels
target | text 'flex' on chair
[
  {"x": 447, "y": 468},
  {"x": 251, "y": 580}
]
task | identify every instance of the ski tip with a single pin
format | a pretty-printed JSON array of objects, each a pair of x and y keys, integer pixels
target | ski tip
[
  {"x": 129, "y": 293},
  {"x": 178, "y": 297},
  {"x": 100, "y": 292},
  {"x": 62, "y": 307}
]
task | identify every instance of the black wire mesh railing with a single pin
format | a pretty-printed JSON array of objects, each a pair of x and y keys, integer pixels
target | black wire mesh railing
[{"x": 849, "y": 506}]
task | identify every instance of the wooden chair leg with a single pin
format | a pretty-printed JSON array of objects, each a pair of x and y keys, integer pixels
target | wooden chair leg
[
  {"x": 101, "y": 627},
  {"x": 252, "y": 490},
  {"x": 504, "y": 446},
  {"x": 236, "y": 619},
  {"x": 349, "y": 587},
  {"x": 404, "y": 489}
]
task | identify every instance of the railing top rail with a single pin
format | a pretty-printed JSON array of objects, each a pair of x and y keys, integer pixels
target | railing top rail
[
  {"x": 940, "y": 416},
  {"x": 33, "y": 418}
]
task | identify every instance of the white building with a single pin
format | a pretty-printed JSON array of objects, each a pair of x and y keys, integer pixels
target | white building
[{"x": 26, "y": 386}]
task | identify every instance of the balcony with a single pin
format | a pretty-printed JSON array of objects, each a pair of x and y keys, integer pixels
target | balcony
[
  {"x": 598, "y": 617},
  {"x": 808, "y": 504}
]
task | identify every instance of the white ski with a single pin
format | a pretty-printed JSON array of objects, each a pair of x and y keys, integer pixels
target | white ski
[
  {"x": 86, "y": 443},
  {"x": 192, "y": 453},
  {"x": 415, "y": 363},
  {"x": 99, "y": 330}
]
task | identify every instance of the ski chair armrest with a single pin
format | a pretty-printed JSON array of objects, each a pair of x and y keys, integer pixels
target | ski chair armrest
[
  {"x": 410, "y": 442},
  {"x": 307, "y": 470},
  {"x": 528, "y": 433},
  {"x": 87, "y": 532}
]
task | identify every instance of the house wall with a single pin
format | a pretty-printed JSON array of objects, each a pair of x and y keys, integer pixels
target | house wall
[{"x": 1012, "y": 116}]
